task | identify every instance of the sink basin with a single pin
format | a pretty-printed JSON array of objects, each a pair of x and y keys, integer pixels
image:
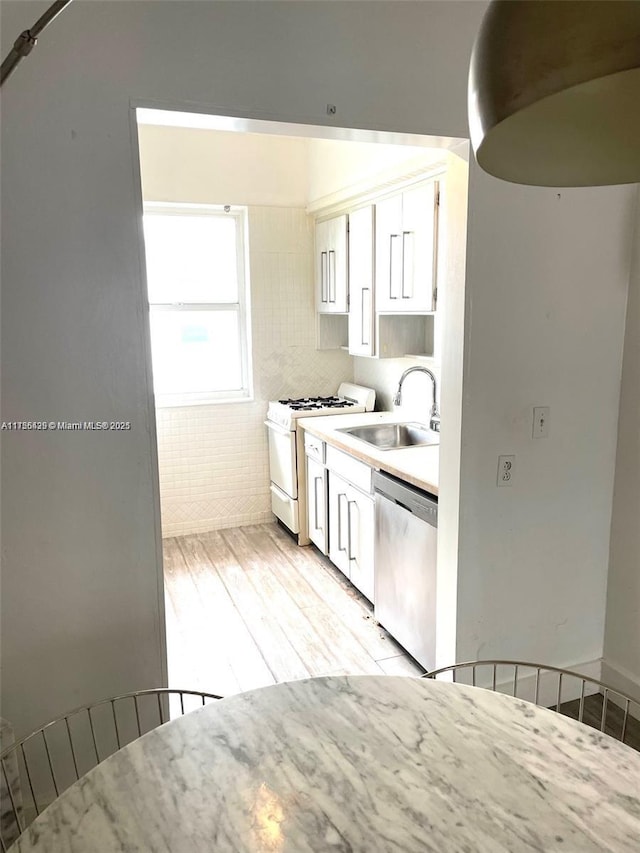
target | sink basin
[{"x": 394, "y": 436}]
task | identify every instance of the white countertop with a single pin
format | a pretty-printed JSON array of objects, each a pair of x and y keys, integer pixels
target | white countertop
[
  {"x": 367, "y": 764},
  {"x": 416, "y": 465}
]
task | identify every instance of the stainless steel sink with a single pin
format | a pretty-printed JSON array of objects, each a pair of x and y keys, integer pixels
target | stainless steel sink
[{"x": 394, "y": 436}]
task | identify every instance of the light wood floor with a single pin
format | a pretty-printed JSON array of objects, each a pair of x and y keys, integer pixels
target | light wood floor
[
  {"x": 592, "y": 716},
  {"x": 247, "y": 607}
]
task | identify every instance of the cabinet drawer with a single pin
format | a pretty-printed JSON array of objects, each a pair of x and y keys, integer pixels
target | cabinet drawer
[
  {"x": 356, "y": 472},
  {"x": 314, "y": 447}
]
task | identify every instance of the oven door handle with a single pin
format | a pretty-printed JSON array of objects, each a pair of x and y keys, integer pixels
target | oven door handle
[{"x": 277, "y": 428}]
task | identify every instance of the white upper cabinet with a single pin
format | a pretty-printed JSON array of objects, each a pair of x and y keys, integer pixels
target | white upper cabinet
[
  {"x": 388, "y": 241},
  {"x": 331, "y": 266},
  {"x": 361, "y": 283},
  {"x": 405, "y": 253}
]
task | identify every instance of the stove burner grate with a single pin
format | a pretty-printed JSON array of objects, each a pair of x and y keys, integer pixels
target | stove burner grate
[{"x": 310, "y": 403}]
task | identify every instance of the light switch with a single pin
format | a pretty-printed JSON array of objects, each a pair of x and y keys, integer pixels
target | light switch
[{"x": 541, "y": 421}]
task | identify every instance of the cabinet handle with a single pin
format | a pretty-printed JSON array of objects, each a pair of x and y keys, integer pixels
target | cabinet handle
[
  {"x": 316, "y": 480},
  {"x": 407, "y": 263},
  {"x": 340, "y": 548},
  {"x": 332, "y": 274},
  {"x": 392, "y": 237},
  {"x": 323, "y": 277},
  {"x": 365, "y": 320},
  {"x": 349, "y": 551},
  {"x": 436, "y": 242}
]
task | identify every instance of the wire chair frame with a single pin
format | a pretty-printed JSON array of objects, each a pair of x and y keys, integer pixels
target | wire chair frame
[
  {"x": 572, "y": 682},
  {"x": 22, "y": 763}
]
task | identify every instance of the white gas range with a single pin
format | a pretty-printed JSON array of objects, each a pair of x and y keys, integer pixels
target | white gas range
[{"x": 286, "y": 448}]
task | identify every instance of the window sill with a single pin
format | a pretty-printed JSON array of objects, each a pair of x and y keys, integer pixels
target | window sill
[{"x": 184, "y": 401}]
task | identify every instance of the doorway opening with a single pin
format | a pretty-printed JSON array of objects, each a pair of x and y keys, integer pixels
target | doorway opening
[{"x": 229, "y": 208}]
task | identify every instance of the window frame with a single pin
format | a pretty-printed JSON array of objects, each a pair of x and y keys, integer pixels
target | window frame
[{"x": 242, "y": 306}]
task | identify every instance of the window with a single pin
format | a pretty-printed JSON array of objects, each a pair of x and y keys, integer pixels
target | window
[{"x": 197, "y": 303}]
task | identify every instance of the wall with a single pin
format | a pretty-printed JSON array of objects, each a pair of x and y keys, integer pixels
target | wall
[
  {"x": 622, "y": 634},
  {"x": 547, "y": 279},
  {"x": 213, "y": 460},
  {"x": 234, "y": 168},
  {"x": 82, "y": 611},
  {"x": 335, "y": 167}
]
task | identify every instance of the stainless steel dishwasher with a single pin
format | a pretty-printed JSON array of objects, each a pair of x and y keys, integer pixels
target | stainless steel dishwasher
[{"x": 405, "y": 565}]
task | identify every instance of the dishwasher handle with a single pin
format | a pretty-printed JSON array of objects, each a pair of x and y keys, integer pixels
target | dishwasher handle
[{"x": 414, "y": 500}]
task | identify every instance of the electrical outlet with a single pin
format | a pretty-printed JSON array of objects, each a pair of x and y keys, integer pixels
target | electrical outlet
[
  {"x": 541, "y": 421},
  {"x": 506, "y": 470}
]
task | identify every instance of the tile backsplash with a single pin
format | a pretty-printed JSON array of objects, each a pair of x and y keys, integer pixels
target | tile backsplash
[
  {"x": 384, "y": 374},
  {"x": 213, "y": 459}
]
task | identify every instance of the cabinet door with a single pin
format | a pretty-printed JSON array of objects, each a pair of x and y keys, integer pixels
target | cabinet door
[
  {"x": 331, "y": 266},
  {"x": 317, "y": 503},
  {"x": 361, "y": 301},
  {"x": 418, "y": 248},
  {"x": 338, "y": 522},
  {"x": 323, "y": 234},
  {"x": 406, "y": 231},
  {"x": 338, "y": 265},
  {"x": 360, "y": 541},
  {"x": 388, "y": 254}
]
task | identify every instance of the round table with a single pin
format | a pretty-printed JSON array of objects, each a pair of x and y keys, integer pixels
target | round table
[{"x": 356, "y": 763}]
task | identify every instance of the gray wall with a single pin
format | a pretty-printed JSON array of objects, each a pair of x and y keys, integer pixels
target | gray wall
[
  {"x": 622, "y": 638},
  {"x": 82, "y": 610},
  {"x": 547, "y": 280}
]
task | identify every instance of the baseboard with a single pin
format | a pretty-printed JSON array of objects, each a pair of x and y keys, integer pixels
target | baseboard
[{"x": 619, "y": 678}]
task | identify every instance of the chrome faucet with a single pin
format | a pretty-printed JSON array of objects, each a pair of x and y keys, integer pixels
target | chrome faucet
[{"x": 434, "y": 422}]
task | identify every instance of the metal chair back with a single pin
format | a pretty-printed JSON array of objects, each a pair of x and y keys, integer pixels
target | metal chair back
[
  {"x": 38, "y": 768},
  {"x": 563, "y": 690}
]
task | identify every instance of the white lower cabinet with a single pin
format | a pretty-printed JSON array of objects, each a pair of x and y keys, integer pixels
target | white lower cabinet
[
  {"x": 340, "y": 511},
  {"x": 338, "y": 554},
  {"x": 351, "y": 533},
  {"x": 317, "y": 504},
  {"x": 360, "y": 539}
]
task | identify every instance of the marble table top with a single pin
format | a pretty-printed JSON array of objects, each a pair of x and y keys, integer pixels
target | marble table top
[{"x": 358, "y": 763}]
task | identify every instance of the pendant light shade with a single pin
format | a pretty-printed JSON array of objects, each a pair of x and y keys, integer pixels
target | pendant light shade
[{"x": 554, "y": 92}]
